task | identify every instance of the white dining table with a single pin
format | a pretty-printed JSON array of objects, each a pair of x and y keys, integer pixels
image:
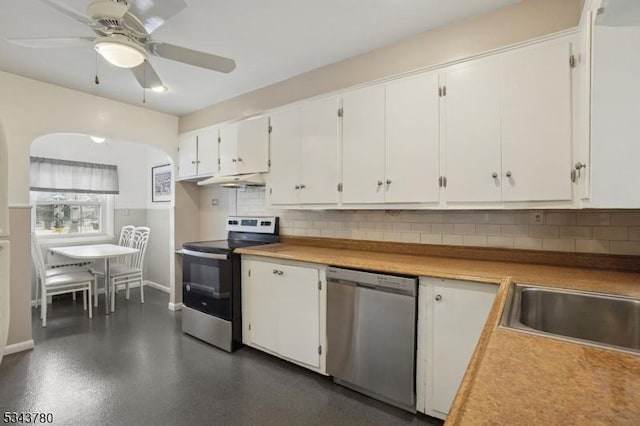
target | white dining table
[{"x": 95, "y": 252}]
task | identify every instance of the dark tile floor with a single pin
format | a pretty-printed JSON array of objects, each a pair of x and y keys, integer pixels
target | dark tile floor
[{"x": 135, "y": 367}]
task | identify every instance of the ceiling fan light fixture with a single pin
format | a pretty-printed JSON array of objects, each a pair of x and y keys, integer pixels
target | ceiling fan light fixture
[
  {"x": 120, "y": 51},
  {"x": 98, "y": 139}
]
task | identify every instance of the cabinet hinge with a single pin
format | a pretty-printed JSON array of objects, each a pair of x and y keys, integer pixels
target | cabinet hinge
[
  {"x": 269, "y": 163},
  {"x": 320, "y": 350},
  {"x": 340, "y": 112},
  {"x": 249, "y": 272},
  {"x": 442, "y": 91},
  {"x": 270, "y": 128},
  {"x": 319, "y": 285},
  {"x": 219, "y": 139},
  {"x": 218, "y": 161},
  {"x": 249, "y": 327},
  {"x": 572, "y": 61},
  {"x": 340, "y": 187}
]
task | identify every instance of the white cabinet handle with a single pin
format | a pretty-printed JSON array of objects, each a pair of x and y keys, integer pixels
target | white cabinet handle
[
  {"x": 297, "y": 186},
  {"x": 388, "y": 181},
  {"x": 379, "y": 183},
  {"x": 494, "y": 175},
  {"x": 302, "y": 186},
  {"x": 508, "y": 174}
]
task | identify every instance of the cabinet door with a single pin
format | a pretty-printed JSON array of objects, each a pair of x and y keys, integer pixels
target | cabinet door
[
  {"x": 187, "y": 156},
  {"x": 229, "y": 150},
  {"x": 363, "y": 146},
  {"x": 319, "y": 158},
  {"x": 264, "y": 306},
  {"x": 536, "y": 123},
  {"x": 284, "y": 174},
  {"x": 459, "y": 312},
  {"x": 253, "y": 145},
  {"x": 413, "y": 140},
  {"x": 299, "y": 314},
  {"x": 208, "y": 151},
  {"x": 472, "y": 138}
]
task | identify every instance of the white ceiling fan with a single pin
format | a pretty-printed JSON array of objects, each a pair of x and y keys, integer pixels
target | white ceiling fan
[{"x": 123, "y": 29}]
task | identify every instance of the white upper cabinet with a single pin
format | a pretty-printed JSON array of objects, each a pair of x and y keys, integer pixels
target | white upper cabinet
[
  {"x": 284, "y": 176},
  {"x": 229, "y": 150},
  {"x": 472, "y": 141},
  {"x": 208, "y": 151},
  {"x": 319, "y": 129},
  {"x": 244, "y": 147},
  {"x": 198, "y": 153},
  {"x": 187, "y": 156},
  {"x": 363, "y": 145},
  {"x": 537, "y": 123},
  {"x": 304, "y": 152},
  {"x": 412, "y": 140}
]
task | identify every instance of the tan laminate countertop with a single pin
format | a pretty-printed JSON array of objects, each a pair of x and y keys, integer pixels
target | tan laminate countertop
[{"x": 516, "y": 378}]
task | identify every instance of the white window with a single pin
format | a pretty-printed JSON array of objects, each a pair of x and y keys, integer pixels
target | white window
[
  {"x": 72, "y": 198},
  {"x": 60, "y": 214}
]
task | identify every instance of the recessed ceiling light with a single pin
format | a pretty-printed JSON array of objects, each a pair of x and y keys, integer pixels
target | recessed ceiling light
[
  {"x": 98, "y": 139},
  {"x": 160, "y": 89}
]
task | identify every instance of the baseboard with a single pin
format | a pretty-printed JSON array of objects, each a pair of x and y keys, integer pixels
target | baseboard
[
  {"x": 19, "y": 347},
  {"x": 157, "y": 286},
  {"x": 175, "y": 306}
]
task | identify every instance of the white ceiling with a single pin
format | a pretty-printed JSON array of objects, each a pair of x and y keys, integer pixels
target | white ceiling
[{"x": 270, "y": 41}]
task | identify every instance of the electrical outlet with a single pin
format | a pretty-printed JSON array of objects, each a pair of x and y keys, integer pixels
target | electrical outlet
[
  {"x": 537, "y": 218},
  {"x": 214, "y": 202}
]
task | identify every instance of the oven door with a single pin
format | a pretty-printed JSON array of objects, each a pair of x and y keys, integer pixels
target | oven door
[{"x": 206, "y": 282}]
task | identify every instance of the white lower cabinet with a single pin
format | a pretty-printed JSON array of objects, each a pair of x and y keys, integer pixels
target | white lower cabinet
[
  {"x": 284, "y": 310},
  {"x": 451, "y": 316}
]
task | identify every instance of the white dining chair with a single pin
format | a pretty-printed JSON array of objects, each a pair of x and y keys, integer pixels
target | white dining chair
[
  {"x": 126, "y": 233},
  {"x": 52, "y": 269},
  {"x": 130, "y": 271},
  {"x": 61, "y": 283}
]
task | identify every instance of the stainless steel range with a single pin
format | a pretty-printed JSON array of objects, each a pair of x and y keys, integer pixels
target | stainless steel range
[{"x": 211, "y": 281}]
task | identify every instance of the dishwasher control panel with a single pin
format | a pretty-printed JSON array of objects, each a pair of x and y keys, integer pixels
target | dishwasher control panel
[{"x": 373, "y": 280}]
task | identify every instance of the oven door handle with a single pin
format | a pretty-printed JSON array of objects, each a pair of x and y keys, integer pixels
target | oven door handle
[{"x": 205, "y": 255}]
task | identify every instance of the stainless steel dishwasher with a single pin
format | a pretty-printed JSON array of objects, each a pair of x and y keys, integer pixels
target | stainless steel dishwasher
[{"x": 371, "y": 327}]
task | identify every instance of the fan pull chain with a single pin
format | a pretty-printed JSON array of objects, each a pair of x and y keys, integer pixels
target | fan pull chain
[
  {"x": 96, "y": 80},
  {"x": 144, "y": 82}
]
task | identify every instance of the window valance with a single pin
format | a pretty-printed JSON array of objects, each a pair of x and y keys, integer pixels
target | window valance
[{"x": 53, "y": 175}]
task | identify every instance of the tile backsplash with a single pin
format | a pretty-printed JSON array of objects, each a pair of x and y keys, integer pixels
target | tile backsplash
[{"x": 589, "y": 231}]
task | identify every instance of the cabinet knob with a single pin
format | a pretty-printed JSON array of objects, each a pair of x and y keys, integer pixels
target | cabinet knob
[
  {"x": 494, "y": 175},
  {"x": 239, "y": 159},
  {"x": 302, "y": 186},
  {"x": 233, "y": 160},
  {"x": 280, "y": 272},
  {"x": 193, "y": 162},
  {"x": 379, "y": 183},
  {"x": 275, "y": 271},
  {"x": 297, "y": 186},
  {"x": 438, "y": 297},
  {"x": 388, "y": 181},
  {"x": 508, "y": 174}
]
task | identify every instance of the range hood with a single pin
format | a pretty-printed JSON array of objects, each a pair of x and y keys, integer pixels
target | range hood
[{"x": 236, "y": 181}]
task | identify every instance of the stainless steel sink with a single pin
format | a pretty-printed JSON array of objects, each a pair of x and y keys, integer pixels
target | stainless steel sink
[{"x": 591, "y": 318}]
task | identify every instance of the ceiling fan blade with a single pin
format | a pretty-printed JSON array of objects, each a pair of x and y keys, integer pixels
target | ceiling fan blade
[
  {"x": 146, "y": 76},
  {"x": 47, "y": 43},
  {"x": 153, "y": 13},
  {"x": 191, "y": 57},
  {"x": 63, "y": 8}
]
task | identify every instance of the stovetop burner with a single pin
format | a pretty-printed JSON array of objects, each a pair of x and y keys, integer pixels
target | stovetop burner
[{"x": 222, "y": 246}]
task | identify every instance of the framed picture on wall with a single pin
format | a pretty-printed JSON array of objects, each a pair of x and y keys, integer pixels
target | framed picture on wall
[{"x": 161, "y": 183}]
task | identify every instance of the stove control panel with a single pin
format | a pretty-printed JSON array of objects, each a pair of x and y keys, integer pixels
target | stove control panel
[{"x": 259, "y": 224}]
